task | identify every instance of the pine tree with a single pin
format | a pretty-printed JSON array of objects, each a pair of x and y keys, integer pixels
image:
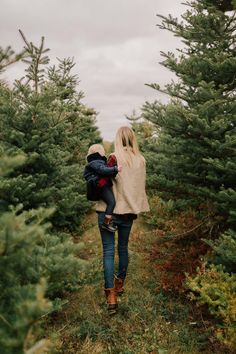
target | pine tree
[
  {"x": 195, "y": 149},
  {"x": 43, "y": 117},
  {"x": 22, "y": 302},
  {"x": 36, "y": 267},
  {"x": 8, "y": 57},
  {"x": 196, "y": 152},
  {"x": 44, "y": 135}
]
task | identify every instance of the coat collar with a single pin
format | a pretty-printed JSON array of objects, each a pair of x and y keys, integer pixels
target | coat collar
[{"x": 96, "y": 156}]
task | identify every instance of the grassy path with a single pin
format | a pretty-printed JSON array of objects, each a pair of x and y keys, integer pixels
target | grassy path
[{"x": 148, "y": 320}]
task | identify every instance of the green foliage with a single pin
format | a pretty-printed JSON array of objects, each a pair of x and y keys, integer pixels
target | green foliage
[
  {"x": 191, "y": 151},
  {"x": 223, "y": 5},
  {"x": 33, "y": 264},
  {"x": 43, "y": 117},
  {"x": 8, "y": 57},
  {"x": 22, "y": 300},
  {"x": 225, "y": 250},
  {"x": 216, "y": 288},
  {"x": 196, "y": 130},
  {"x": 45, "y": 131}
]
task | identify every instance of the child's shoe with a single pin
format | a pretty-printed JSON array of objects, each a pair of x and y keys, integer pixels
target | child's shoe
[{"x": 108, "y": 225}]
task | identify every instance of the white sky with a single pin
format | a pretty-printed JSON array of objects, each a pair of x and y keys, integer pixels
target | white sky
[{"x": 116, "y": 46}]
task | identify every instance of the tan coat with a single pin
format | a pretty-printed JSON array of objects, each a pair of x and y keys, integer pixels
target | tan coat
[{"x": 129, "y": 190}]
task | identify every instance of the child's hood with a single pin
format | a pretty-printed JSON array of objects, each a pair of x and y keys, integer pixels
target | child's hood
[{"x": 96, "y": 156}]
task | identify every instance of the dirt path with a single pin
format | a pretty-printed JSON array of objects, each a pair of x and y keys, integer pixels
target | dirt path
[{"x": 148, "y": 321}]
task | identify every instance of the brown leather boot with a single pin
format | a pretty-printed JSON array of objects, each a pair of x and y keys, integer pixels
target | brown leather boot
[
  {"x": 119, "y": 285},
  {"x": 111, "y": 300}
]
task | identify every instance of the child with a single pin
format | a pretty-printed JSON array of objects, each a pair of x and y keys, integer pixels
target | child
[{"x": 97, "y": 172}]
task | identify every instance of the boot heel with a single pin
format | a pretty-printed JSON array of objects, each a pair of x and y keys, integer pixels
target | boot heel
[
  {"x": 119, "y": 286},
  {"x": 112, "y": 304}
]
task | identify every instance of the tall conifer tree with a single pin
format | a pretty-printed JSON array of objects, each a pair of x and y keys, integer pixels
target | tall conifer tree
[
  {"x": 196, "y": 151},
  {"x": 43, "y": 117},
  {"x": 44, "y": 134},
  {"x": 195, "y": 144}
]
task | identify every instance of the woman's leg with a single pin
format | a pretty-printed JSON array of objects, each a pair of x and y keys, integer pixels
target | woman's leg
[
  {"x": 124, "y": 228},
  {"x": 108, "y": 243}
]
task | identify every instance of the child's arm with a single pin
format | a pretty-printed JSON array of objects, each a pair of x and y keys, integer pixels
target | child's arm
[{"x": 106, "y": 171}]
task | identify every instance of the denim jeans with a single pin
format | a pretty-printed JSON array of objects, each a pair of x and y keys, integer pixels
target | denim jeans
[
  {"x": 108, "y": 242},
  {"x": 108, "y": 197}
]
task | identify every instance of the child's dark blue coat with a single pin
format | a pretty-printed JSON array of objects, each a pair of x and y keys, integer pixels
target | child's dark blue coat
[{"x": 95, "y": 169}]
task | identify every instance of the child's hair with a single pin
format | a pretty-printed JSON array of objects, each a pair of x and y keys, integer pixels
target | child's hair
[{"x": 96, "y": 148}]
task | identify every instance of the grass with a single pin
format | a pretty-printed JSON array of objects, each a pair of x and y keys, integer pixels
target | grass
[{"x": 148, "y": 320}]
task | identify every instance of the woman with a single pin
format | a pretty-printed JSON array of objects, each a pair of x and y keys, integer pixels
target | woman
[{"x": 131, "y": 199}]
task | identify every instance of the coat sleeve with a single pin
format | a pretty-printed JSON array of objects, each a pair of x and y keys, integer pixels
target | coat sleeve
[{"x": 105, "y": 170}]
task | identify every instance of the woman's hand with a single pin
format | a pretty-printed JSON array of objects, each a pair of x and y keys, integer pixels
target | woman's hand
[{"x": 119, "y": 168}]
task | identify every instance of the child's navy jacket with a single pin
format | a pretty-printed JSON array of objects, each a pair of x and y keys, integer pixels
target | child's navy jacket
[{"x": 95, "y": 169}]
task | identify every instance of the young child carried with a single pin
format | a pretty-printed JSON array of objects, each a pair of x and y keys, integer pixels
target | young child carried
[{"x": 98, "y": 176}]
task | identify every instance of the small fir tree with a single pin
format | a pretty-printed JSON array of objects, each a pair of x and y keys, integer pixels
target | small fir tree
[
  {"x": 22, "y": 301},
  {"x": 35, "y": 266},
  {"x": 43, "y": 117}
]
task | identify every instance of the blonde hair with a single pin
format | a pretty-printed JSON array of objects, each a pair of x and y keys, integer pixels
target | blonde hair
[
  {"x": 126, "y": 147},
  {"x": 96, "y": 148}
]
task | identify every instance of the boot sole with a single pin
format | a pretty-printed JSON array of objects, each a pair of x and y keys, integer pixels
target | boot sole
[
  {"x": 112, "y": 312},
  {"x": 120, "y": 294},
  {"x": 104, "y": 228}
]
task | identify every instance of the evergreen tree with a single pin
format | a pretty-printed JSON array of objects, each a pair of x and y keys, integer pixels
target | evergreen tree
[
  {"x": 44, "y": 135},
  {"x": 35, "y": 265},
  {"x": 22, "y": 302},
  {"x": 8, "y": 57},
  {"x": 195, "y": 146},
  {"x": 196, "y": 151},
  {"x": 43, "y": 117}
]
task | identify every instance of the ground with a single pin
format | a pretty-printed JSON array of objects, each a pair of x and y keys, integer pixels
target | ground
[{"x": 149, "y": 320}]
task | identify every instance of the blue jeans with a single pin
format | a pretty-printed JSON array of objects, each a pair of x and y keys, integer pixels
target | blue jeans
[
  {"x": 108, "y": 197},
  {"x": 108, "y": 242}
]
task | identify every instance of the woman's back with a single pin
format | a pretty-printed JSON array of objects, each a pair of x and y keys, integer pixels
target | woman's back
[{"x": 129, "y": 188}]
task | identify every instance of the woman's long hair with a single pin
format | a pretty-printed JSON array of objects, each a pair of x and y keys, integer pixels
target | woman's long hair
[{"x": 126, "y": 147}]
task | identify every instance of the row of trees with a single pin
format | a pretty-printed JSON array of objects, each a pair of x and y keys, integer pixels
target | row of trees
[
  {"x": 190, "y": 147},
  {"x": 45, "y": 131}
]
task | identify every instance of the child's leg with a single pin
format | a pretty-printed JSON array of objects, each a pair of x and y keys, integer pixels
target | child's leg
[{"x": 108, "y": 197}]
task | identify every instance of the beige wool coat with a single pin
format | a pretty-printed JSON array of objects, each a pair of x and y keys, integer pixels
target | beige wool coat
[{"x": 129, "y": 190}]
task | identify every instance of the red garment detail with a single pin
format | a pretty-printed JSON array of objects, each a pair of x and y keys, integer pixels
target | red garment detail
[
  {"x": 102, "y": 182},
  {"x": 112, "y": 161}
]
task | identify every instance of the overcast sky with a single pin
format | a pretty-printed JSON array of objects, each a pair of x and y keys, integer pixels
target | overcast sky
[{"x": 115, "y": 43}]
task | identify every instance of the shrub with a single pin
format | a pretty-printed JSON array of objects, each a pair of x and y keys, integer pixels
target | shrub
[
  {"x": 217, "y": 288},
  {"x": 34, "y": 265}
]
